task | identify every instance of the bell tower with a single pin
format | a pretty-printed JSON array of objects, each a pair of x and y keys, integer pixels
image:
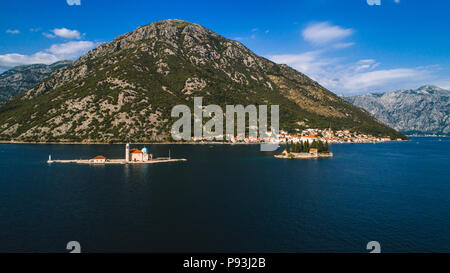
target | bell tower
[{"x": 127, "y": 152}]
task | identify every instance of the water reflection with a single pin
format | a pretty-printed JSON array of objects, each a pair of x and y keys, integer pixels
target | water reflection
[
  {"x": 136, "y": 172},
  {"x": 227, "y": 198}
]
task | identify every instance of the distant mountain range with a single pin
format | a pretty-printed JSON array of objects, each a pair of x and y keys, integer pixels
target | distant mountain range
[
  {"x": 422, "y": 111},
  {"x": 21, "y": 78},
  {"x": 124, "y": 90}
]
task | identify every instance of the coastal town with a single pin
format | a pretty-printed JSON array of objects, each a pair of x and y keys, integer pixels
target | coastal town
[
  {"x": 309, "y": 135},
  {"x": 329, "y": 136}
]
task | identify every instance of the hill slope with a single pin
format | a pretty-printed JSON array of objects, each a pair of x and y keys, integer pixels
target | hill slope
[
  {"x": 423, "y": 111},
  {"x": 22, "y": 78},
  {"x": 124, "y": 90}
]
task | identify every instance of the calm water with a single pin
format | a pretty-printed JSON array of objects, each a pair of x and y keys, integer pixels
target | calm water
[{"x": 228, "y": 199}]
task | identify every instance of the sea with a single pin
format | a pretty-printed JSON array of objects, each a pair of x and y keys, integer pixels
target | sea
[{"x": 227, "y": 198}]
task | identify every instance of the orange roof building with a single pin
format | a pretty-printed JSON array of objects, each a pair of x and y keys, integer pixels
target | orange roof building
[
  {"x": 98, "y": 159},
  {"x": 136, "y": 155}
]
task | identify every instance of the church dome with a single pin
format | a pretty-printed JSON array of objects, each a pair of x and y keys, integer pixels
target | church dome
[{"x": 145, "y": 150}]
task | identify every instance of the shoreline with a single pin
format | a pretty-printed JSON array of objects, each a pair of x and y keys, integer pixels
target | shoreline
[
  {"x": 285, "y": 155},
  {"x": 122, "y": 143},
  {"x": 426, "y": 136},
  {"x": 179, "y": 142}
]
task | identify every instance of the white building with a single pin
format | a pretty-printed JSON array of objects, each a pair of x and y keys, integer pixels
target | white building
[
  {"x": 136, "y": 155},
  {"x": 310, "y": 139},
  {"x": 98, "y": 159}
]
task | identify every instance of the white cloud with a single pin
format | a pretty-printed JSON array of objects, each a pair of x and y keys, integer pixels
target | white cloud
[
  {"x": 354, "y": 77},
  {"x": 53, "y": 54},
  {"x": 73, "y": 2},
  {"x": 343, "y": 45},
  {"x": 246, "y": 38},
  {"x": 12, "y": 31},
  {"x": 342, "y": 76},
  {"x": 71, "y": 49},
  {"x": 323, "y": 33},
  {"x": 48, "y": 35},
  {"x": 365, "y": 64},
  {"x": 443, "y": 84},
  {"x": 380, "y": 78},
  {"x": 14, "y": 59},
  {"x": 307, "y": 62},
  {"x": 63, "y": 33}
]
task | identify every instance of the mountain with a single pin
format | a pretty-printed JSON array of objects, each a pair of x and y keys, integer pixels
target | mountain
[
  {"x": 124, "y": 90},
  {"x": 423, "y": 111},
  {"x": 22, "y": 78}
]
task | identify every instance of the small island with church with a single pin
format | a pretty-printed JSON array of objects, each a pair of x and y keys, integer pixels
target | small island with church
[
  {"x": 305, "y": 150},
  {"x": 132, "y": 156}
]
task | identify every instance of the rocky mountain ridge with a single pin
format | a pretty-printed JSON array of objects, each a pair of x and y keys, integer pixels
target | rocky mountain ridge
[
  {"x": 21, "y": 78},
  {"x": 124, "y": 90},
  {"x": 422, "y": 111}
]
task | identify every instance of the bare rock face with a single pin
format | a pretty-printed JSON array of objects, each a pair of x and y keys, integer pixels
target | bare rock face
[
  {"x": 124, "y": 90},
  {"x": 21, "y": 78},
  {"x": 422, "y": 111}
]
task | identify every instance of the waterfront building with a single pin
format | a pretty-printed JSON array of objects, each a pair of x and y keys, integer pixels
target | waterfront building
[
  {"x": 310, "y": 139},
  {"x": 98, "y": 159},
  {"x": 137, "y": 155}
]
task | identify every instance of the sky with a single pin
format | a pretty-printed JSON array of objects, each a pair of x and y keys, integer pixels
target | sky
[{"x": 349, "y": 46}]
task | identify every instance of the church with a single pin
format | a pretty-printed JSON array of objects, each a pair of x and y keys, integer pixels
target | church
[{"x": 136, "y": 155}]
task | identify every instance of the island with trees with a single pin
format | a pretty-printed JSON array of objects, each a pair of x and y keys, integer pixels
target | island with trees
[{"x": 305, "y": 150}]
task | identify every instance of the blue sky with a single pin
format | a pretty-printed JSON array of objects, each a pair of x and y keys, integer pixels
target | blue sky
[{"x": 348, "y": 46}]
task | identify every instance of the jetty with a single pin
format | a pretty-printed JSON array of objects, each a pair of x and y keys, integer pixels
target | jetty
[
  {"x": 132, "y": 156},
  {"x": 117, "y": 161}
]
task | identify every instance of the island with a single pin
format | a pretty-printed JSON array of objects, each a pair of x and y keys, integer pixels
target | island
[
  {"x": 132, "y": 156},
  {"x": 305, "y": 150}
]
